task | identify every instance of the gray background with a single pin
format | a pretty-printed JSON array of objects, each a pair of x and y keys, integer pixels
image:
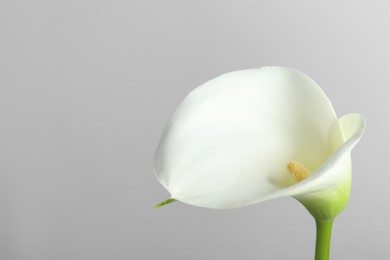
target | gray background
[{"x": 86, "y": 87}]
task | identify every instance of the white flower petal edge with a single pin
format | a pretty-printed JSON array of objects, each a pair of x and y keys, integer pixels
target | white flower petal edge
[
  {"x": 228, "y": 143},
  {"x": 325, "y": 194}
]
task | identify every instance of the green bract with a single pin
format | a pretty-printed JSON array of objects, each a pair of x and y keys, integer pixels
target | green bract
[{"x": 228, "y": 143}]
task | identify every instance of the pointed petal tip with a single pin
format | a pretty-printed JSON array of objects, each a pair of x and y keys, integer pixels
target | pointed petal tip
[{"x": 165, "y": 202}]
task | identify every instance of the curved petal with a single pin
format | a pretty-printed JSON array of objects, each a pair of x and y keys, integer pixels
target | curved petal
[
  {"x": 333, "y": 177},
  {"x": 228, "y": 143},
  {"x": 327, "y": 194}
]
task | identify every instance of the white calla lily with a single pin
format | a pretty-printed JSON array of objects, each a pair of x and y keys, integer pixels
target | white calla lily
[{"x": 228, "y": 144}]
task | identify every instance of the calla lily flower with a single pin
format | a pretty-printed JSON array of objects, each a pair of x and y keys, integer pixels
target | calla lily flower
[{"x": 254, "y": 135}]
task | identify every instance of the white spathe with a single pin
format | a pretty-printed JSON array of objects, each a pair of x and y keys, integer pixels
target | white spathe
[{"x": 228, "y": 143}]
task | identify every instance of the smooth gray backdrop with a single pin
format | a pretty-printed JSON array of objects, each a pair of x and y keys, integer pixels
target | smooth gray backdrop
[{"x": 87, "y": 85}]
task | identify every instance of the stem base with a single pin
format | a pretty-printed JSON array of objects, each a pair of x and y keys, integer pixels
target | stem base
[{"x": 324, "y": 232}]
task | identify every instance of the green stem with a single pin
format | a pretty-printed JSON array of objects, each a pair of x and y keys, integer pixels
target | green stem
[{"x": 324, "y": 232}]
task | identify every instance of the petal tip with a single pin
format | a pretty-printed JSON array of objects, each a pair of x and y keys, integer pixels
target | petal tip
[{"x": 165, "y": 202}]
